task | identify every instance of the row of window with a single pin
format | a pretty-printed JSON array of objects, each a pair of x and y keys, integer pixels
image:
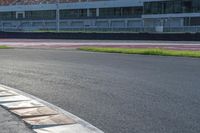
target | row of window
[
  {"x": 155, "y": 7},
  {"x": 75, "y": 13},
  {"x": 173, "y": 6},
  {"x": 194, "y": 21}
]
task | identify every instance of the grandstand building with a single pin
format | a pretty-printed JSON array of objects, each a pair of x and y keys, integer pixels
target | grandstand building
[{"x": 100, "y": 15}]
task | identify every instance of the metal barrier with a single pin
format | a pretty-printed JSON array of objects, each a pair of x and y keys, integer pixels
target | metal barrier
[{"x": 50, "y": 26}]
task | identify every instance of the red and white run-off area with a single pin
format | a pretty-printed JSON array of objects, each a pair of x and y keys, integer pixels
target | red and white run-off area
[{"x": 52, "y": 43}]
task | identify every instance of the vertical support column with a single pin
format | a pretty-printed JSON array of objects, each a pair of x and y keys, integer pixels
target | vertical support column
[
  {"x": 143, "y": 25},
  {"x": 126, "y": 23},
  {"x": 88, "y": 12},
  {"x": 2, "y": 26},
  {"x": 182, "y": 22},
  {"x": 97, "y": 12},
  {"x": 16, "y": 15},
  {"x": 57, "y": 16},
  {"x": 110, "y": 23},
  {"x": 189, "y": 21},
  {"x": 24, "y": 15}
]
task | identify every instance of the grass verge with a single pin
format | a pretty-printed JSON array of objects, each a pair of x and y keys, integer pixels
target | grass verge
[
  {"x": 144, "y": 51},
  {"x": 4, "y": 47}
]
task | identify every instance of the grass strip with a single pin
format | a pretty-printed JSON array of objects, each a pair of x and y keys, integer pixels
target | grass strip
[
  {"x": 4, "y": 47},
  {"x": 144, "y": 51}
]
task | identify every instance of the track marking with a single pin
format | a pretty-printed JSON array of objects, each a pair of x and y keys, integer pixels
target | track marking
[
  {"x": 33, "y": 112},
  {"x": 41, "y": 116},
  {"x": 13, "y": 99},
  {"x": 22, "y": 104},
  {"x": 48, "y": 121}
]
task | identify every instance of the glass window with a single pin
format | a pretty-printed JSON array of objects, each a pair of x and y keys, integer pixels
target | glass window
[
  {"x": 173, "y": 6},
  {"x": 74, "y": 13},
  {"x": 7, "y": 15},
  {"x": 47, "y": 14}
]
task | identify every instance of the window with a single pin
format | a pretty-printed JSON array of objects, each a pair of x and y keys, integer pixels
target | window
[
  {"x": 47, "y": 14},
  {"x": 7, "y": 15},
  {"x": 173, "y": 6},
  {"x": 75, "y": 13}
]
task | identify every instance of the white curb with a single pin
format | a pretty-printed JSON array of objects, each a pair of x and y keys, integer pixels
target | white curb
[{"x": 81, "y": 126}]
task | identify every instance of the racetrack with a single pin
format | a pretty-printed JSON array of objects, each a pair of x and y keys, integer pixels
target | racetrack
[{"x": 117, "y": 93}]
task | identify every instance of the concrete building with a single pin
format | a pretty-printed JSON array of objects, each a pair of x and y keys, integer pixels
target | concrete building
[{"x": 100, "y": 15}]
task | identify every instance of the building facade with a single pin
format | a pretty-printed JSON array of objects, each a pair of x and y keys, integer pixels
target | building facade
[{"x": 100, "y": 15}]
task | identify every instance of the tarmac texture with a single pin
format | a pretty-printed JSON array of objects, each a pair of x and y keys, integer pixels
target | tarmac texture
[{"x": 117, "y": 93}]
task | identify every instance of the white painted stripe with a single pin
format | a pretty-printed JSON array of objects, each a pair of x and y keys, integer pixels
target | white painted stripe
[
  {"x": 22, "y": 104},
  {"x": 2, "y": 89},
  {"x": 13, "y": 99}
]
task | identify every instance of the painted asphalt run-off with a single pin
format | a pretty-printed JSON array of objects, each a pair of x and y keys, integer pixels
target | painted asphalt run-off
[
  {"x": 63, "y": 44},
  {"x": 41, "y": 116}
]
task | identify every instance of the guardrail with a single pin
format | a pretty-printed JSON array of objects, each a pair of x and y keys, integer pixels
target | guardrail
[
  {"x": 102, "y": 30},
  {"x": 50, "y": 26}
]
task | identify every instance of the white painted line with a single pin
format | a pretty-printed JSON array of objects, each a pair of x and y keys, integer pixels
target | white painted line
[
  {"x": 22, "y": 104},
  {"x": 13, "y": 99},
  {"x": 2, "y": 89},
  {"x": 75, "y": 128},
  {"x": 6, "y": 93},
  {"x": 88, "y": 128}
]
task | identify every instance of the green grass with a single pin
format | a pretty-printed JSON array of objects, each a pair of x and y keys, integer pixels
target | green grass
[
  {"x": 4, "y": 47},
  {"x": 144, "y": 51}
]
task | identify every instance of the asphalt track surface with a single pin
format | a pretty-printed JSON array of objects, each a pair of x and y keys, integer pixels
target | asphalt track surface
[{"x": 117, "y": 93}]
